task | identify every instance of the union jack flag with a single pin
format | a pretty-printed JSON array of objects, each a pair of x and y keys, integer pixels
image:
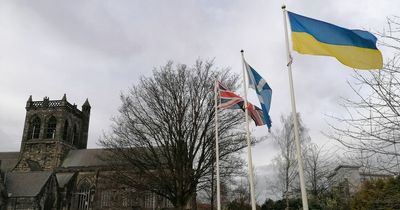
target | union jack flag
[{"x": 230, "y": 100}]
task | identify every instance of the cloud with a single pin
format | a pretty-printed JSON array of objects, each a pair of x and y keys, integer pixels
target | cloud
[{"x": 96, "y": 49}]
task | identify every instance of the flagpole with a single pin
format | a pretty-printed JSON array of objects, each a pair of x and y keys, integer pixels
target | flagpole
[
  {"x": 294, "y": 114},
  {"x": 217, "y": 145},
  {"x": 249, "y": 156}
]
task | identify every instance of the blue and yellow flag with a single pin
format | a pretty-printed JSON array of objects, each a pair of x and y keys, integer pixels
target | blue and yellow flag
[{"x": 353, "y": 48}]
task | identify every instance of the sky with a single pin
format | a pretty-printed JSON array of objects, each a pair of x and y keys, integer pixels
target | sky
[{"x": 98, "y": 49}]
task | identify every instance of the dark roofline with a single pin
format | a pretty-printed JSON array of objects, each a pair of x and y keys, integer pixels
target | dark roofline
[
  {"x": 339, "y": 167},
  {"x": 346, "y": 166},
  {"x": 83, "y": 169}
]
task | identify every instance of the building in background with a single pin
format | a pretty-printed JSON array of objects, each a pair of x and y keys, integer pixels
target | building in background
[
  {"x": 55, "y": 170},
  {"x": 347, "y": 179}
]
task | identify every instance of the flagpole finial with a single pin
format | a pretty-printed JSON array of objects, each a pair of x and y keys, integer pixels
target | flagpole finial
[
  {"x": 242, "y": 51},
  {"x": 283, "y": 7}
]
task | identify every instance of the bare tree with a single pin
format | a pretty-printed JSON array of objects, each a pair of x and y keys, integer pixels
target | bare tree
[
  {"x": 231, "y": 168},
  {"x": 286, "y": 162},
  {"x": 318, "y": 165},
  {"x": 371, "y": 126},
  {"x": 240, "y": 194},
  {"x": 237, "y": 191},
  {"x": 164, "y": 134}
]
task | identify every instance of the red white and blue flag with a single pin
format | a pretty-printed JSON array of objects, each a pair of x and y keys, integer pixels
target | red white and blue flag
[{"x": 230, "y": 100}]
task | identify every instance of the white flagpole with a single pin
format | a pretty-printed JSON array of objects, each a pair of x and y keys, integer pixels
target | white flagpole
[
  {"x": 217, "y": 145},
  {"x": 249, "y": 156},
  {"x": 294, "y": 114}
]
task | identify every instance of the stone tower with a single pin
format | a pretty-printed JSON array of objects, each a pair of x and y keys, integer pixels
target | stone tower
[{"x": 52, "y": 128}]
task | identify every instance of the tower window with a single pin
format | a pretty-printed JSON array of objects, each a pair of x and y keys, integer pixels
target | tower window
[
  {"x": 65, "y": 132},
  {"x": 51, "y": 128},
  {"x": 34, "y": 128},
  {"x": 74, "y": 135}
]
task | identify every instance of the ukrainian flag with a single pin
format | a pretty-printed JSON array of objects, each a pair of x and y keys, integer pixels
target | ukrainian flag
[{"x": 353, "y": 48}]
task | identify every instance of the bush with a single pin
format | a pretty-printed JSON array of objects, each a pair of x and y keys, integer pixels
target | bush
[{"x": 378, "y": 194}]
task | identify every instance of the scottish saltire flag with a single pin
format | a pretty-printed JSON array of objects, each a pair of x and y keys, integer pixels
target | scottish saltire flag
[
  {"x": 230, "y": 100},
  {"x": 264, "y": 92},
  {"x": 354, "y": 48}
]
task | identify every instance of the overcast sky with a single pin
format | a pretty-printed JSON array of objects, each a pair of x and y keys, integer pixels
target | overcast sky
[{"x": 96, "y": 49}]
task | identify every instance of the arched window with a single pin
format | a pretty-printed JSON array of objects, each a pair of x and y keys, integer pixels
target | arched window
[
  {"x": 65, "y": 131},
  {"x": 74, "y": 135},
  {"x": 84, "y": 194},
  {"x": 34, "y": 128},
  {"x": 51, "y": 128}
]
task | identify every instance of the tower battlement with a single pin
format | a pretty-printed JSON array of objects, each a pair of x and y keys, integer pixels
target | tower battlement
[
  {"x": 52, "y": 128},
  {"x": 47, "y": 103}
]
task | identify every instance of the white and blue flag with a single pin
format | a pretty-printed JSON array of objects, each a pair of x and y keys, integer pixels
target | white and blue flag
[{"x": 263, "y": 90}]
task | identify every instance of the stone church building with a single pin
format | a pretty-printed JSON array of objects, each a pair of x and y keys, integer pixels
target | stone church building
[{"x": 55, "y": 170}]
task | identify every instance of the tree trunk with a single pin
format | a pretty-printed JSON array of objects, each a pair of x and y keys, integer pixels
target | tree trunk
[
  {"x": 287, "y": 186},
  {"x": 180, "y": 206},
  {"x": 287, "y": 200}
]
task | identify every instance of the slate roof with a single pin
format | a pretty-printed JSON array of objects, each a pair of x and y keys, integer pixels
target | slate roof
[
  {"x": 26, "y": 184},
  {"x": 8, "y": 160},
  {"x": 9, "y": 155},
  {"x": 64, "y": 178},
  {"x": 85, "y": 158}
]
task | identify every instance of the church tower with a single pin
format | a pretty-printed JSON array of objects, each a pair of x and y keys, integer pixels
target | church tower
[{"x": 52, "y": 128}]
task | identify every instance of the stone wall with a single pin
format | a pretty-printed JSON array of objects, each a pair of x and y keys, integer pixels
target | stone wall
[
  {"x": 2, "y": 193},
  {"x": 350, "y": 175},
  {"x": 44, "y": 151}
]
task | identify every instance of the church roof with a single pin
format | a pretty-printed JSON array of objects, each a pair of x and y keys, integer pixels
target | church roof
[
  {"x": 9, "y": 155},
  {"x": 85, "y": 158},
  {"x": 8, "y": 160},
  {"x": 26, "y": 184},
  {"x": 64, "y": 178}
]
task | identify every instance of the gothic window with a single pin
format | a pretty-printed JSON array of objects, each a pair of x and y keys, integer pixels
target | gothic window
[
  {"x": 127, "y": 197},
  {"x": 130, "y": 198},
  {"x": 74, "y": 135},
  {"x": 65, "y": 131},
  {"x": 106, "y": 198},
  {"x": 34, "y": 128},
  {"x": 85, "y": 194},
  {"x": 149, "y": 200},
  {"x": 51, "y": 128}
]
